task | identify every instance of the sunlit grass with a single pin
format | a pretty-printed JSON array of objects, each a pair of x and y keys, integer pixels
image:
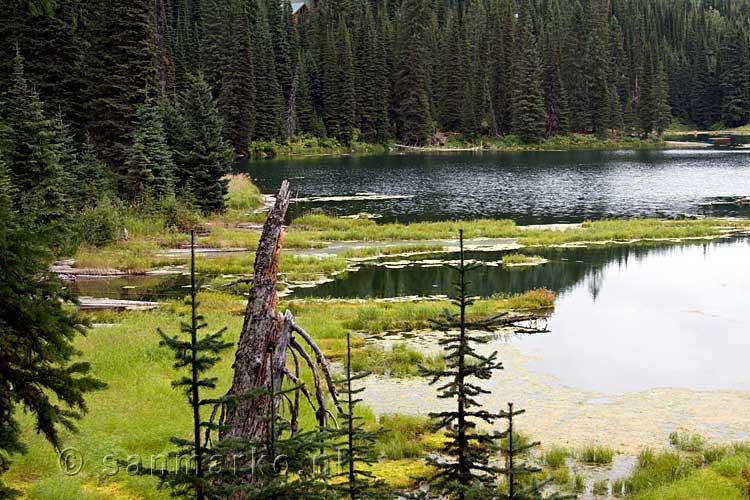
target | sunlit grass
[{"x": 243, "y": 194}]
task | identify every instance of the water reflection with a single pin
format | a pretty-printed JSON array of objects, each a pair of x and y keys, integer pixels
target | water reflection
[
  {"x": 665, "y": 319},
  {"x": 567, "y": 268},
  {"x": 148, "y": 288},
  {"x": 626, "y": 318}
]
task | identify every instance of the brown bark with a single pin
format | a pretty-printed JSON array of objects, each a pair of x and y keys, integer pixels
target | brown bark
[{"x": 263, "y": 328}]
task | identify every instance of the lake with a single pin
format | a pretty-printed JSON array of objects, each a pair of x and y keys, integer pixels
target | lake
[
  {"x": 527, "y": 187},
  {"x": 627, "y": 318}
]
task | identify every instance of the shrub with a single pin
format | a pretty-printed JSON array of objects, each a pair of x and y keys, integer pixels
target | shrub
[
  {"x": 178, "y": 214},
  {"x": 101, "y": 225},
  {"x": 243, "y": 194},
  {"x": 687, "y": 442}
]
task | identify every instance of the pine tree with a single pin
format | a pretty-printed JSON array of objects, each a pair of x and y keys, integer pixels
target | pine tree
[
  {"x": 206, "y": 156},
  {"x": 466, "y": 465},
  {"x": 39, "y": 373},
  {"x": 529, "y": 117},
  {"x": 411, "y": 104},
  {"x": 149, "y": 163}
]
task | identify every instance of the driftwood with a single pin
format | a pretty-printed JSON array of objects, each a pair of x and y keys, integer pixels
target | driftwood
[
  {"x": 93, "y": 303},
  {"x": 266, "y": 338}
]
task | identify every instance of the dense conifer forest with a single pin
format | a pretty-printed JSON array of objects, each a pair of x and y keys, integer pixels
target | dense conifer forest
[{"x": 117, "y": 75}]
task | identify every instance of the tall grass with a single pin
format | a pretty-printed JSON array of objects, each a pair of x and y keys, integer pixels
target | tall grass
[
  {"x": 596, "y": 454},
  {"x": 242, "y": 193},
  {"x": 400, "y": 361}
]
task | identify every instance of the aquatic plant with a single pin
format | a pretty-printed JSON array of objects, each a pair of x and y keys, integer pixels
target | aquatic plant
[{"x": 596, "y": 454}]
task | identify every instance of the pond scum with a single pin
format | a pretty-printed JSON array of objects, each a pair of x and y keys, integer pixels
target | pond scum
[{"x": 139, "y": 411}]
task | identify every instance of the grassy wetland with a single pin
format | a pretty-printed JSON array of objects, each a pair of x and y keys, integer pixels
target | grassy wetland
[{"x": 137, "y": 414}]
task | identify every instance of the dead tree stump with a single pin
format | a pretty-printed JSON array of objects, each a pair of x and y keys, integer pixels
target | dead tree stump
[{"x": 266, "y": 338}]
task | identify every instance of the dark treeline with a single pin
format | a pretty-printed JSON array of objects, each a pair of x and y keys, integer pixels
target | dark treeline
[{"x": 139, "y": 80}]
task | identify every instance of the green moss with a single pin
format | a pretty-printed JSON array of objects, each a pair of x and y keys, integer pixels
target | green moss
[{"x": 406, "y": 436}]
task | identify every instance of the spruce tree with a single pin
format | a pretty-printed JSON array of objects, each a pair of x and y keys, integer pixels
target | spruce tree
[
  {"x": 91, "y": 179},
  {"x": 205, "y": 157},
  {"x": 451, "y": 91},
  {"x": 555, "y": 98},
  {"x": 660, "y": 100},
  {"x": 39, "y": 371},
  {"x": 123, "y": 75},
  {"x": 149, "y": 162},
  {"x": 33, "y": 153},
  {"x": 411, "y": 104},
  {"x": 467, "y": 463},
  {"x": 268, "y": 96},
  {"x": 529, "y": 117},
  {"x": 346, "y": 80},
  {"x": 237, "y": 94}
]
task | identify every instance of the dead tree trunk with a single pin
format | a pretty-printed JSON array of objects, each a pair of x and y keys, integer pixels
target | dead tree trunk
[{"x": 265, "y": 332}]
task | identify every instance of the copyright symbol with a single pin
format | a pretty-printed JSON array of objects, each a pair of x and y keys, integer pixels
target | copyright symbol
[{"x": 70, "y": 461}]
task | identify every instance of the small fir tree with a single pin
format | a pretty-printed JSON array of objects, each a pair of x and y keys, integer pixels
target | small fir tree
[
  {"x": 520, "y": 484},
  {"x": 196, "y": 354},
  {"x": 358, "y": 482},
  {"x": 467, "y": 465}
]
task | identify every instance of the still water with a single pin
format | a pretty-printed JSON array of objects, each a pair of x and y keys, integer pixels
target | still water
[
  {"x": 528, "y": 187},
  {"x": 626, "y": 318}
]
